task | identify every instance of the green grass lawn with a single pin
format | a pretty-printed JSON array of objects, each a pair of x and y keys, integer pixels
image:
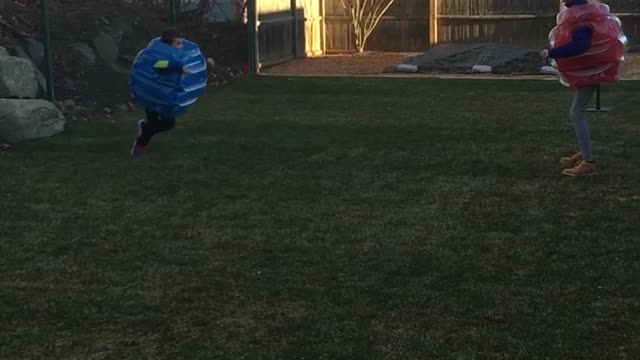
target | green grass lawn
[{"x": 329, "y": 219}]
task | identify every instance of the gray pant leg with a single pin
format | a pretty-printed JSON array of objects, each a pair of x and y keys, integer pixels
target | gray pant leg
[{"x": 579, "y": 120}]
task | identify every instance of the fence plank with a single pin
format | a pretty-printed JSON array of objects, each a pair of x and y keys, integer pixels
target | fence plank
[
  {"x": 404, "y": 28},
  {"x": 276, "y": 34},
  {"x": 407, "y": 25}
]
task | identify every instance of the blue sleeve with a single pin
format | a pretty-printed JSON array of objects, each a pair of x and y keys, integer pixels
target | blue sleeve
[{"x": 580, "y": 43}]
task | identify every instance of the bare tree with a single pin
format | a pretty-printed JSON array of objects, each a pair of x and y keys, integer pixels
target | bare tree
[{"x": 365, "y": 16}]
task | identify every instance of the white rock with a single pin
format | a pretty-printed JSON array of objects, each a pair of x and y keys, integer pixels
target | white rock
[
  {"x": 407, "y": 68},
  {"x": 548, "y": 70},
  {"x": 481, "y": 68}
]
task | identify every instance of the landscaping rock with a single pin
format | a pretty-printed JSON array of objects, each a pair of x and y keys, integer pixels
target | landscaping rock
[
  {"x": 106, "y": 47},
  {"x": 3, "y": 53},
  {"x": 83, "y": 55},
  {"x": 28, "y": 119},
  {"x": 17, "y": 78},
  {"x": 35, "y": 50},
  {"x": 407, "y": 68}
]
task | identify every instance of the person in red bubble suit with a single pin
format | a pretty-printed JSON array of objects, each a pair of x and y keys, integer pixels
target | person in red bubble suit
[{"x": 586, "y": 51}]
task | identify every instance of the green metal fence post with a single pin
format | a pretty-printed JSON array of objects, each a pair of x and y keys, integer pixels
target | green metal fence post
[
  {"x": 172, "y": 12},
  {"x": 46, "y": 37}
]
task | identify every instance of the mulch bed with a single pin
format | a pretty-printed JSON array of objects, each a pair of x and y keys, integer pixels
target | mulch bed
[{"x": 373, "y": 63}]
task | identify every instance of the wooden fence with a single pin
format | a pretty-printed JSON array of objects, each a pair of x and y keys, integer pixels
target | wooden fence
[
  {"x": 403, "y": 28},
  {"x": 289, "y": 29},
  {"x": 517, "y": 22},
  {"x": 412, "y": 25},
  {"x": 298, "y": 28}
]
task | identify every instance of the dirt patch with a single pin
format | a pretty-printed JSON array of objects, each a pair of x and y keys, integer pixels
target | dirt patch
[{"x": 374, "y": 63}]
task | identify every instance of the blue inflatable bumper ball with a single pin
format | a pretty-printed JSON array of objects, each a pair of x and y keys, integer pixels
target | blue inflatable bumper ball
[{"x": 169, "y": 95}]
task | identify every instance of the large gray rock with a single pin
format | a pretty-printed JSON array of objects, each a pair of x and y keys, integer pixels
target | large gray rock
[
  {"x": 35, "y": 49},
  {"x": 107, "y": 48},
  {"x": 3, "y": 53},
  {"x": 83, "y": 55},
  {"x": 28, "y": 119},
  {"x": 17, "y": 78},
  {"x": 117, "y": 28}
]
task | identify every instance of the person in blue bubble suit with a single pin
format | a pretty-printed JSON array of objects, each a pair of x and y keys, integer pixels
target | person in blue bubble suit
[{"x": 164, "y": 84}]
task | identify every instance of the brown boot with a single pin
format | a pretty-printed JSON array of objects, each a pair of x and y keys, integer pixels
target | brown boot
[
  {"x": 582, "y": 169},
  {"x": 572, "y": 161}
]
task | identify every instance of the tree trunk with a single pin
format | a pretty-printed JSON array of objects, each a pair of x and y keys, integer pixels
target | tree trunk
[
  {"x": 363, "y": 43},
  {"x": 365, "y": 16}
]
